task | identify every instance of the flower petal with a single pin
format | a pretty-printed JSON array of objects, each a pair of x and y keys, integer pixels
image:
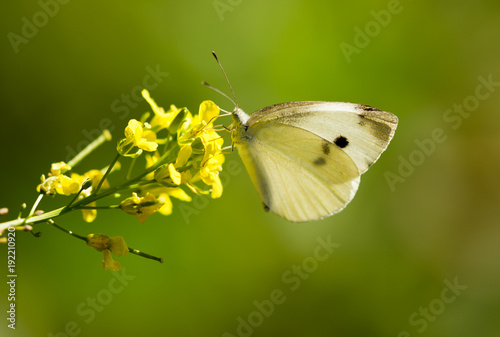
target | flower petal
[
  {"x": 183, "y": 156},
  {"x": 67, "y": 186},
  {"x": 208, "y": 112},
  {"x": 118, "y": 246},
  {"x": 174, "y": 175},
  {"x": 178, "y": 193},
  {"x": 89, "y": 215},
  {"x": 59, "y": 168},
  {"x": 108, "y": 263},
  {"x": 156, "y": 109},
  {"x": 166, "y": 209},
  {"x": 216, "y": 189},
  {"x": 133, "y": 131}
]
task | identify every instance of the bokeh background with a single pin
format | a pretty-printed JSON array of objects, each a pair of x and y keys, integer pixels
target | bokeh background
[{"x": 409, "y": 234}]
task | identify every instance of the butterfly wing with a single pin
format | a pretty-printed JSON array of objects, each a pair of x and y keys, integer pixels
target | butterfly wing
[
  {"x": 298, "y": 174},
  {"x": 362, "y": 132}
]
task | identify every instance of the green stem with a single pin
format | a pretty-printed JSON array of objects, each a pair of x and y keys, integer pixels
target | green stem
[
  {"x": 110, "y": 167},
  {"x": 35, "y": 205},
  {"x": 67, "y": 231},
  {"x": 147, "y": 256},
  {"x": 34, "y": 219},
  {"x": 75, "y": 197},
  {"x": 105, "y": 136},
  {"x": 129, "y": 172},
  {"x": 99, "y": 207}
]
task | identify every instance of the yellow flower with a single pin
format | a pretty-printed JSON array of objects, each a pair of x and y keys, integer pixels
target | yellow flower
[
  {"x": 168, "y": 175},
  {"x": 212, "y": 161},
  {"x": 141, "y": 207},
  {"x": 161, "y": 119},
  {"x": 143, "y": 139},
  {"x": 59, "y": 168},
  {"x": 67, "y": 186},
  {"x": 107, "y": 245},
  {"x": 48, "y": 186},
  {"x": 208, "y": 173},
  {"x": 136, "y": 136},
  {"x": 57, "y": 182},
  {"x": 203, "y": 158},
  {"x": 208, "y": 112}
]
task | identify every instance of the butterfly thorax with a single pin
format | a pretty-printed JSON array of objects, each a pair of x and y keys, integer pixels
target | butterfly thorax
[{"x": 240, "y": 116}]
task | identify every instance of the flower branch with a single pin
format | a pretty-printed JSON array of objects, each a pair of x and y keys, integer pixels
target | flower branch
[{"x": 181, "y": 155}]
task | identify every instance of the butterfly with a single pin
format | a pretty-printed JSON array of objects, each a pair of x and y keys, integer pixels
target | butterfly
[{"x": 305, "y": 158}]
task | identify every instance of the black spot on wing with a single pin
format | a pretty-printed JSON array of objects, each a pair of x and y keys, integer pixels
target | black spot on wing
[
  {"x": 325, "y": 147},
  {"x": 266, "y": 208},
  {"x": 341, "y": 142},
  {"x": 320, "y": 161}
]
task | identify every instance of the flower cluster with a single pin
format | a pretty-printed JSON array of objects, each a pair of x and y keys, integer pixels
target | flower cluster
[
  {"x": 183, "y": 151},
  {"x": 182, "y": 155},
  {"x": 59, "y": 183}
]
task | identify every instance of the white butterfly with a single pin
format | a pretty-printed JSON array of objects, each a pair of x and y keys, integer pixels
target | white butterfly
[{"x": 305, "y": 158}]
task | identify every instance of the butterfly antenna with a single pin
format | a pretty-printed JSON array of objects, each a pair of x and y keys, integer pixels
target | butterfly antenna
[
  {"x": 227, "y": 79},
  {"x": 220, "y": 92}
]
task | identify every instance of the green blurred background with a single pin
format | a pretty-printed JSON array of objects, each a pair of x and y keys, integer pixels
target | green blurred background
[{"x": 402, "y": 241}]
